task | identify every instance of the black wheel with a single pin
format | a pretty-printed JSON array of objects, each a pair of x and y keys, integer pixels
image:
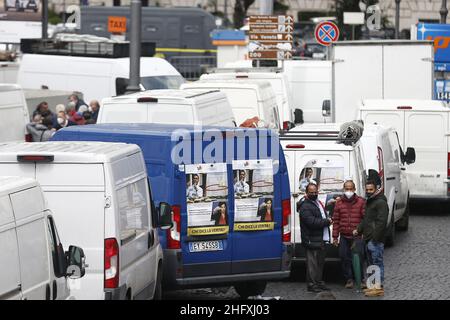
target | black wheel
[
  {"x": 158, "y": 288},
  {"x": 390, "y": 239},
  {"x": 249, "y": 289},
  {"x": 403, "y": 223}
]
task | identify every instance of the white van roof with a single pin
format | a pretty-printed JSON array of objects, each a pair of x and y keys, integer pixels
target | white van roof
[
  {"x": 212, "y": 83},
  {"x": 169, "y": 96},
  {"x": 69, "y": 151},
  {"x": 4, "y": 87},
  {"x": 399, "y": 104},
  {"x": 10, "y": 184},
  {"x": 149, "y": 66}
]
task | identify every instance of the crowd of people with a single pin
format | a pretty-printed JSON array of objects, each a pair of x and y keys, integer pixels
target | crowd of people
[
  {"x": 358, "y": 229},
  {"x": 44, "y": 122}
]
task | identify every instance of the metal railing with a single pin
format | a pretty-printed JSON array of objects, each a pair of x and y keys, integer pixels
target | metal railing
[{"x": 192, "y": 67}]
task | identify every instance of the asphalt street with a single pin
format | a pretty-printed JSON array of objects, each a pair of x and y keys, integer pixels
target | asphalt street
[{"x": 416, "y": 267}]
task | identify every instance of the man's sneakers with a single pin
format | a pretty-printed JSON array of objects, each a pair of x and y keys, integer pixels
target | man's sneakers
[
  {"x": 377, "y": 291},
  {"x": 349, "y": 284}
]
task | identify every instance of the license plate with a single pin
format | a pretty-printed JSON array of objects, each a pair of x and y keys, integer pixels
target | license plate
[{"x": 201, "y": 246}]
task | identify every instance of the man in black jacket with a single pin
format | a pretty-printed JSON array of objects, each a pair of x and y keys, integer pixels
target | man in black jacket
[
  {"x": 373, "y": 230},
  {"x": 314, "y": 225}
]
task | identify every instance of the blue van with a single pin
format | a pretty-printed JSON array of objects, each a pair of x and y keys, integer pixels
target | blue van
[{"x": 230, "y": 201}]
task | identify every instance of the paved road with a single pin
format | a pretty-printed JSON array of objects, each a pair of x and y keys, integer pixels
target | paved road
[{"x": 417, "y": 267}]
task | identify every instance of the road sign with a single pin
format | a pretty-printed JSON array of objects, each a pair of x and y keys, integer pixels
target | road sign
[
  {"x": 270, "y": 37},
  {"x": 117, "y": 24},
  {"x": 326, "y": 33},
  {"x": 270, "y": 55}
]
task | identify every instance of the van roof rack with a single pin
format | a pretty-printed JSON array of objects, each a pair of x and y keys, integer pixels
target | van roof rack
[
  {"x": 83, "y": 48},
  {"x": 349, "y": 134}
]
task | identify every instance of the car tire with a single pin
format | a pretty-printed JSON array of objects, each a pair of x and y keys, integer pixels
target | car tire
[
  {"x": 390, "y": 239},
  {"x": 249, "y": 289},
  {"x": 158, "y": 288},
  {"x": 403, "y": 223}
]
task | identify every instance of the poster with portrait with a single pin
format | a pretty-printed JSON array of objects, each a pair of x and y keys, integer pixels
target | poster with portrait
[
  {"x": 207, "y": 198},
  {"x": 253, "y": 194}
]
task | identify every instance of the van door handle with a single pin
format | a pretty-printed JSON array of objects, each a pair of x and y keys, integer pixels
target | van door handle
[
  {"x": 151, "y": 239},
  {"x": 55, "y": 290},
  {"x": 404, "y": 169},
  {"x": 47, "y": 292}
]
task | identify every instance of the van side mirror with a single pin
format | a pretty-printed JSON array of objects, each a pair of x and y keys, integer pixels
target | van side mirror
[
  {"x": 165, "y": 216},
  {"x": 298, "y": 116},
  {"x": 410, "y": 156},
  {"x": 76, "y": 263},
  {"x": 326, "y": 108}
]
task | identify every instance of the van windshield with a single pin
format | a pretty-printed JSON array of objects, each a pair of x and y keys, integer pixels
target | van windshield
[{"x": 151, "y": 83}]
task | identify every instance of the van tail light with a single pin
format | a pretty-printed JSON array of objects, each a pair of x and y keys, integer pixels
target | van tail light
[
  {"x": 448, "y": 173},
  {"x": 381, "y": 166},
  {"x": 28, "y": 138},
  {"x": 173, "y": 234},
  {"x": 111, "y": 263},
  {"x": 404, "y": 108},
  {"x": 295, "y": 146},
  {"x": 286, "y": 212}
]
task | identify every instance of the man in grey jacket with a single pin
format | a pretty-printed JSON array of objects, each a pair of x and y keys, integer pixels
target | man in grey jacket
[{"x": 41, "y": 131}]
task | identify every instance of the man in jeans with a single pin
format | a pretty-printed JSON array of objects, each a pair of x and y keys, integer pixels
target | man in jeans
[
  {"x": 373, "y": 230},
  {"x": 314, "y": 225},
  {"x": 348, "y": 214}
]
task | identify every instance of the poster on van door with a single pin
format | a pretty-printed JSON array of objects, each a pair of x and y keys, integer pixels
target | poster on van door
[
  {"x": 207, "y": 198},
  {"x": 253, "y": 195}
]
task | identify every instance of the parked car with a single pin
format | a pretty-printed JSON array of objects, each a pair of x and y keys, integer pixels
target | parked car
[{"x": 35, "y": 266}]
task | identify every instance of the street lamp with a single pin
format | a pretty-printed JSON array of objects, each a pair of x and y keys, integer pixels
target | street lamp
[
  {"x": 397, "y": 18},
  {"x": 443, "y": 11}
]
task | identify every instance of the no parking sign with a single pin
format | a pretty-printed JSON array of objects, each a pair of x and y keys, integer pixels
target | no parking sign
[{"x": 326, "y": 33}]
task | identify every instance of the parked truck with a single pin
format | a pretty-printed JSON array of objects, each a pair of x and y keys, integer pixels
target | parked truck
[{"x": 378, "y": 70}]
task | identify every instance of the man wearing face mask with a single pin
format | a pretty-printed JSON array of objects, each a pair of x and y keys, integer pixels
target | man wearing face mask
[
  {"x": 348, "y": 213},
  {"x": 315, "y": 231},
  {"x": 373, "y": 230}
]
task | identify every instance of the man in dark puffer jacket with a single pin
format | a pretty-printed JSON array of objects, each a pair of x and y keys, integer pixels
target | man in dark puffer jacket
[
  {"x": 348, "y": 213},
  {"x": 373, "y": 230},
  {"x": 314, "y": 225}
]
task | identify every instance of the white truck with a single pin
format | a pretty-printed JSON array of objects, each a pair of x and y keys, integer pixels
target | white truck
[{"x": 378, "y": 70}]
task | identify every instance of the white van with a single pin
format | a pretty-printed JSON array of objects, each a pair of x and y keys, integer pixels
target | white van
[
  {"x": 96, "y": 78},
  {"x": 100, "y": 197},
  {"x": 13, "y": 113},
  {"x": 34, "y": 264},
  {"x": 425, "y": 126},
  {"x": 383, "y": 153},
  {"x": 277, "y": 79},
  {"x": 200, "y": 107},
  {"x": 314, "y": 151},
  {"x": 248, "y": 98}
]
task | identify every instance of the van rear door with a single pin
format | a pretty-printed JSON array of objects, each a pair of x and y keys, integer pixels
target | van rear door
[
  {"x": 10, "y": 282},
  {"x": 388, "y": 119},
  {"x": 76, "y": 196},
  {"x": 329, "y": 171},
  {"x": 428, "y": 175},
  {"x": 258, "y": 225}
]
